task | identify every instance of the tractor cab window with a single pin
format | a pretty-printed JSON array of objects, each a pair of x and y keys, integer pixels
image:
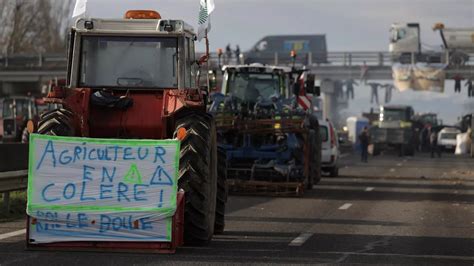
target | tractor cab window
[
  {"x": 129, "y": 62},
  {"x": 249, "y": 86},
  {"x": 22, "y": 108},
  {"x": 190, "y": 68},
  {"x": 7, "y": 108},
  {"x": 394, "y": 115}
]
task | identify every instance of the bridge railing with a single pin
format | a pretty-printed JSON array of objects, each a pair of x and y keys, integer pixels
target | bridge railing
[
  {"x": 361, "y": 58},
  {"x": 377, "y": 58},
  {"x": 32, "y": 61}
]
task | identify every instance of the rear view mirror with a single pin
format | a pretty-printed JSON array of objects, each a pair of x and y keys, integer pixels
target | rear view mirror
[{"x": 310, "y": 86}]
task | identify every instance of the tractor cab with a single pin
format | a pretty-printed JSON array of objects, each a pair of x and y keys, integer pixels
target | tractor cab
[
  {"x": 248, "y": 83},
  {"x": 255, "y": 86},
  {"x": 129, "y": 74},
  {"x": 141, "y": 52}
]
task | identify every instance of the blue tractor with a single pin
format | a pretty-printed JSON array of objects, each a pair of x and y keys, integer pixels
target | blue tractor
[{"x": 267, "y": 142}]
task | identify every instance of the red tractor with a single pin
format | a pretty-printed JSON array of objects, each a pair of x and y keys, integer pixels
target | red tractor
[{"x": 137, "y": 78}]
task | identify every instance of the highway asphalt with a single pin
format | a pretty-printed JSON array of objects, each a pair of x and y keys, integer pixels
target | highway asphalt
[{"x": 393, "y": 210}]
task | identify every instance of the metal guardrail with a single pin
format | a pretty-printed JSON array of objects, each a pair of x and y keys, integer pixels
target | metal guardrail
[
  {"x": 33, "y": 61},
  {"x": 12, "y": 181}
]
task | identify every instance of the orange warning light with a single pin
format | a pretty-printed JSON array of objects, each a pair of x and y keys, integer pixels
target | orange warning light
[{"x": 142, "y": 14}]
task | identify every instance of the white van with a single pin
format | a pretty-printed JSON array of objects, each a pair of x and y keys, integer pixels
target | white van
[
  {"x": 330, "y": 148},
  {"x": 447, "y": 138}
]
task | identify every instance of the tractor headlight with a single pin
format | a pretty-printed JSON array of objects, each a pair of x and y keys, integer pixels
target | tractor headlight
[{"x": 404, "y": 124}]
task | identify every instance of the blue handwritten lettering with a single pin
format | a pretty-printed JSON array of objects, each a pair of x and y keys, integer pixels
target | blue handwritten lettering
[
  {"x": 106, "y": 173},
  {"x": 103, "y": 190},
  {"x": 72, "y": 193},
  {"x": 140, "y": 156},
  {"x": 63, "y": 155},
  {"x": 91, "y": 152},
  {"x": 48, "y": 149},
  {"x": 127, "y": 154},
  {"x": 146, "y": 224},
  {"x": 122, "y": 188},
  {"x": 137, "y": 192},
  {"x": 161, "y": 177},
  {"x": 83, "y": 190},
  {"x": 86, "y": 173},
  {"x": 104, "y": 223},
  {"x": 82, "y": 219},
  {"x": 43, "y": 194},
  {"x": 84, "y": 156},
  {"x": 159, "y": 153},
  {"x": 77, "y": 153}
]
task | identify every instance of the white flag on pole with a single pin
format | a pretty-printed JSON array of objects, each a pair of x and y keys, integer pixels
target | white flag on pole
[
  {"x": 204, "y": 21},
  {"x": 79, "y": 8}
]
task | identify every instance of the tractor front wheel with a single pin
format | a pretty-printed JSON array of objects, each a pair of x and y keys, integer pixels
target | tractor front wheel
[{"x": 198, "y": 176}]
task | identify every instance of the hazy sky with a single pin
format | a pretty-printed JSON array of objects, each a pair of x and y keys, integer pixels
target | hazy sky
[{"x": 349, "y": 25}]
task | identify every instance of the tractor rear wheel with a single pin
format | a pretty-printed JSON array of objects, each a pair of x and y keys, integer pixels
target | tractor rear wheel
[
  {"x": 221, "y": 198},
  {"x": 198, "y": 176},
  {"x": 58, "y": 122},
  {"x": 315, "y": 156}
]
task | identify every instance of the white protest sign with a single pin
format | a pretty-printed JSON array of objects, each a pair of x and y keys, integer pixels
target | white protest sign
[{"x": 83, "y": 189}]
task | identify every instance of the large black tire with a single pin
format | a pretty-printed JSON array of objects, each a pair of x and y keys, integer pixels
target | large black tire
[
  {"x": 376, "y": 150},
  {"x": 409, "y": 150},
  {"x": 222, "y": 192},
  {"x": 315, "y": 155},
  {"x": 198, "y": 176},
  {"x": 334, "y": 171},
  {"x": 57, "y": 122}
]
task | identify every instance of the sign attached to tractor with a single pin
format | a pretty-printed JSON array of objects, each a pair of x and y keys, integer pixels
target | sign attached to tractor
[{"x": 82, "y": 189}]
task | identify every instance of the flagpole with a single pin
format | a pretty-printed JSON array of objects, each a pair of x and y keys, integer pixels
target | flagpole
[{"x": 207, "y": 63}]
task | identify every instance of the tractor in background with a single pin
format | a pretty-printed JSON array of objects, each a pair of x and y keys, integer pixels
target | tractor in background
[
  {"x": 268, "y": 142},
  {"x": 16, "y": 111},
  {"x": 395, "y": 128},
  {"x": 137, "y": 78}
]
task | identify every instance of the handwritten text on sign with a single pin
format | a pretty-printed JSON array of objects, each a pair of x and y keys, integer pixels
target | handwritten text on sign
[{"x": 96, "y": 189}]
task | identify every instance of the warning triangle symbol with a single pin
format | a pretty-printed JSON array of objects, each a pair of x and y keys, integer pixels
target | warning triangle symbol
[
  {"x": 133, "y": 176},
  {"x": 161, "y": 177}
]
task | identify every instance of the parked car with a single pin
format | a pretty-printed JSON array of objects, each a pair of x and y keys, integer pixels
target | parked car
[
  {"x": 330, "y": 148},
  {"x": 447, "y": 138}
]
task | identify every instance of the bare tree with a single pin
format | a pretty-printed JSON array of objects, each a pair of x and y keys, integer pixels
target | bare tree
[{"x": 33, "y": 26}]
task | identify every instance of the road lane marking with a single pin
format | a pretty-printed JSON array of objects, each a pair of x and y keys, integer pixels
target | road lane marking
[
  {"x": 344, "y": 155},
  {"x": 12, "y": 234},
  {"x": 369, "y": 189},
  {"x": 345, "y": 206},
  {"x": 299, "y": 241}
]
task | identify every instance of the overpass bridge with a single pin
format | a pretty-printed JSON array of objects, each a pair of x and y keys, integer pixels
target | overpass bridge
[
  {"x": 20, "y": 74},
  {"x": 35, "y": 70}
]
